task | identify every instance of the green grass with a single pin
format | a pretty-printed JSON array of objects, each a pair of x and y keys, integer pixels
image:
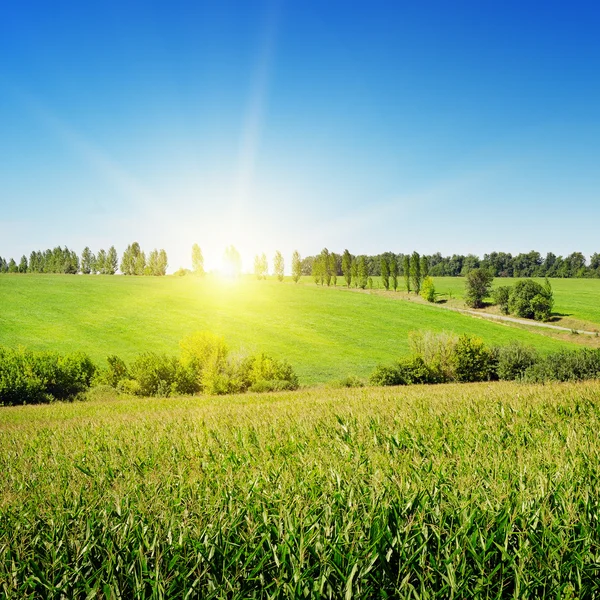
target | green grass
[
  {"x": 464, "y": 491},
  {"x": 324, "y": 333},
  {"x": 575, "y": 298}
]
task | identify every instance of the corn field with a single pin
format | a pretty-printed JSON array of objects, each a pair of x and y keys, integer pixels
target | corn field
[{"x": 450, "y": 491}]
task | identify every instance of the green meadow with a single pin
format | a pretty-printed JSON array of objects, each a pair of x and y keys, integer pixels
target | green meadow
[
  {"x": 448, "y": 491},
  {"x": 325, "y": 333}
]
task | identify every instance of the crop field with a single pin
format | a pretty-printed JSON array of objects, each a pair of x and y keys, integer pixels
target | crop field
[
  {"x": 324, "y": 333},
  {"x": 473, "y": 490}
]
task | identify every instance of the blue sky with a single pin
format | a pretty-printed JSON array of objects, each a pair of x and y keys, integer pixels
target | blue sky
[{"x": 380, "y": 125}]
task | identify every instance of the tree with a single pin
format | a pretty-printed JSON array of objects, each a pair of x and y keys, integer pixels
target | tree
[
  {"x": 415, "y": 272},
  {"x": 197, "y": 260},
  {"x": 354, "y": 271},
  {"x": 394, "y": 272},
  {"x": 347, "y": 267},
  {"x": 153, "y": 262},
  {"x": 86, "y": 261},
  {"x": 385, "y": 273},
  {"x": 258, "y": 272},
  {"x": 362, "y": 273},
  {"x": 424, "y": 267},
  {"x": 325, "y": 266},
  {"x": 406, "y": 271},
  {"x": 531, "y": 300},
  {"x": 316, "y": 270},
  {"x": 333, "y": 262},
  {"x": 163, "y": 262},
  {"x": 428, "y": 289},
  {"x": 12, "y": 266},
  {"x": 296, "y": 266},
  {"x": 478, "y": 283},
  {"x": 130, "y": 262},
  {"x": 101, "y": 262},
  {"x": 23, "y": 264},
  {"x": 112, "y": 261},
  {"x": 278, "y": 265},
  {"x": 140, "y": 263}
]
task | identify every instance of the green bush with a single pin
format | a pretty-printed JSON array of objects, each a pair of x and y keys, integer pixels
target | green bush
[
  {"x": 472, "y": 359},
  {"x": 428, "y": 289},
  {"x": 577, "y": 365},
  {"x": 437, "y": 351},
  {"x": 407, "y": 371},
  {"x": 501, "y": 296},
  {"x": 514, "y": 360},
  {"x": 32, "y": 377},
  {"x": 531, "y": 300},
  {"x": 160, "y": 375},
  {"x": 266, "y": 368}
]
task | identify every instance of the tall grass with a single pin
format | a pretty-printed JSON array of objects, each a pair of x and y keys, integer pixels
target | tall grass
[{"x": 483, "y": 490}]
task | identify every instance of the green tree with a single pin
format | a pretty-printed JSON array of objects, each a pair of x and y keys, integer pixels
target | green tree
[
  {"x": 478, "y": 283},
  {"x": 362, "y": 272},
  {"x": 278, "y": 265},
  {"x": 112, "y": 261},
  {"x": 385, "y": 273},
  {"x": 23, "y": 264},
  {"x": 163, "y": 262},
  {"x": 415, "y": 272},
  {"x": 86, "y": 261},
  {"x": 333, "y": 262},
  {"x": 152, "y": 265},
  {"x": 354, "y": 270},
  {"x": 424, "y": 267},
  {"x": 101, "y": 262},
  {"x": 296, "y": 266},
  {"x": 197, "y": 260},
  {"x": 316, "y": 270},
  {"x": 394, "y": 272},
  {"x": 325, "y": 266},
  {"x": 428, "y": 289},
  {"x": 406, "y": 271},
  {"x": 347, "y": 267},
  {"x": 12, "y": 266},
  {"x": 140, "y": 263}
]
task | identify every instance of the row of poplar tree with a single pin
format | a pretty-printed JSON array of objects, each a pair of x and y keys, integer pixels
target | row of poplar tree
[{"x": 104, "y": 262}]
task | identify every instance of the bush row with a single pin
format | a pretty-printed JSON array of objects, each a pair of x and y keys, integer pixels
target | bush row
[
  {"x": 36, "y": 377},
  {"x": 204, "y": 365},
  {"x": 441, "y": 358}
]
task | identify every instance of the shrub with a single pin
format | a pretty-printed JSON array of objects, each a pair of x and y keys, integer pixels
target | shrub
[
  {"x": 565, "y": 365},
  {"x": 266, "y": 368},
  {"x": 501, "y": 296},
  {"x": 386, "y": 375},
  {"x": 473, "y": 361},
  {"x": 428, "y": 289},
  {"x": 514, "y": 360},
  {"x": 33, "y": 377},
  {"x": 531, "y": 300},
  {"x": 436, "y": 351},
  {"x": 351, "y": 381},
  {"x": 406, "y": 371},
  {"x": 160, "y": 375},
  {"x": 477, "y": 287}
]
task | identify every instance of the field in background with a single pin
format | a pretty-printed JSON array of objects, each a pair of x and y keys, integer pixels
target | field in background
[
  {"x": 487, "y": 490},
  {"x": 324, "y": 333}
]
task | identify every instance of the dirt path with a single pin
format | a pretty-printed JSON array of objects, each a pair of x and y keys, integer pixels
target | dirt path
[{"x": 528, "y": 322}]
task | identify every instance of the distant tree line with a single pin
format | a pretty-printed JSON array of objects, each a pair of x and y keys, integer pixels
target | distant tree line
[
  {"x": 104, "y": 262},
  {"x": 499, "y": 264}
]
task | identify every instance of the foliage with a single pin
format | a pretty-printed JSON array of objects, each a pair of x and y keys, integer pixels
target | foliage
[
  {"x": 278, "y": 266},
  {"x": 513, "y": 361},
  {"x": 415, "y": 272},
  {"x": 394, "y": 273},
  {"x": 28, "y": 377},
  {"x": 501, "y": 297},
  {"x": 362, "y": 273},
  {"x": 385, "y": 273},
  {"x": 473, "y": 361},
  {"x": 197, "y": 260},
  {"x": 478, "y": 283},
  {"x": 296, "y": 266},
  {"x": 406, "y": 266},
  {"x": 531, "y": 300},
  {"x": 347, "y": 267},
  {"x": 576, "y": 365},
  {"x": 428, "y": 289}
]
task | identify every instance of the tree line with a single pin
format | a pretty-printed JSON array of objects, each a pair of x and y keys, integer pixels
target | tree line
[
  {"x": 499, "y": 264},
  {"x": 104, "y": 262}
]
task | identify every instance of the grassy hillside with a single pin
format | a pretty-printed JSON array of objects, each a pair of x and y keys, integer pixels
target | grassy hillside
[
  {"x": 325, "y": 333},
  {"x": 473, "y": 490}
]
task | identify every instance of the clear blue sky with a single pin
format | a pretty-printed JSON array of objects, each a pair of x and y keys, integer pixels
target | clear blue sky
[{"x": 451, "y": 126}]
